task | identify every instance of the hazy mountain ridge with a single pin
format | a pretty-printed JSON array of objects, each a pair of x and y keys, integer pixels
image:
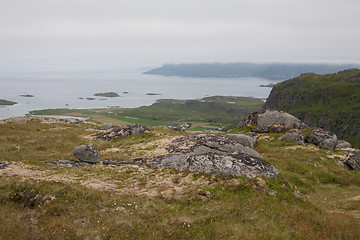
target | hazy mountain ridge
[
  {"x": 329, "y": 101},
  {"x": 263, "y": 70}
]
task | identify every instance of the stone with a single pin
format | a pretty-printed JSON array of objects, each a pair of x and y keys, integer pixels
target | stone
[
  {"x": 240, "y": 164},
  {"x": 271, "y": 117},
  {"x": 270, "y": 129},
  {"x": 121, "y": 132},
  {"x": 208, "y": 143},
  {"x": 294, "y": 136},
  {"x": 67, "y": 163},
  {"x": 246, "y": 140},
  {"x": 352, "y": 162},
  {"x": 322, "y": 138},
  {"x": 105, "y": 126},
  {"x": 341, "y": 144},
  {"x": 4, "y": 164},
  {"x": 136, "y": 161},
  {"x": 86, "y": 153}
]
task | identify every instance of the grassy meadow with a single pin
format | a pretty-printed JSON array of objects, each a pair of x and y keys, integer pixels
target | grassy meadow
[{"x": 315, "y": 197}]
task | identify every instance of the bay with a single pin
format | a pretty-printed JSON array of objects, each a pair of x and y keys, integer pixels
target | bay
[{"x": 70, "y": 90}]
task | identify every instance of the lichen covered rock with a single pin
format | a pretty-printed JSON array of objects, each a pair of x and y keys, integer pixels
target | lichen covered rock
[{"x": 240, "y": 164}]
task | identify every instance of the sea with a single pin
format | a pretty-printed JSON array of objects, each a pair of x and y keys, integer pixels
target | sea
[{"x": 70, "y": 90}]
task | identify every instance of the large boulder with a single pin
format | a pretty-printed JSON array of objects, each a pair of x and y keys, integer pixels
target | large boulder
[
  {"x": 86, "y": 153},
  {"x": 271, "y": 117},
  {"x": 246, "y": 140},
  {"x": 121, "y": 132},
  {"x": 294, "y": 136},
  {"x": 207, "y": 143},
  {"x": 352, "y": 162},
  {"x": 322, "y": 138},
  {"x": 341, "y": 144},
  {"x": 211, "y": 163}
]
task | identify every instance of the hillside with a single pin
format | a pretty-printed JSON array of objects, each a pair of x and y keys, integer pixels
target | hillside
[
  {"x": 269, "y": 70},
  {"x": 330, "y": 101},
  {"x": 45, "y": 196}
]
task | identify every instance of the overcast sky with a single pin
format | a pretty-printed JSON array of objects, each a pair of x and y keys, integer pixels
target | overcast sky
[{"x": 120, "y": 34}]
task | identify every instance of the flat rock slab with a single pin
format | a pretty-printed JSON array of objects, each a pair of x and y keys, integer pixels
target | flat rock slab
[
  {"x": 240, "y": 164},
  {"x": 67, "y": 163},
  {"x": 121, "y": 132},
  {"x": 208, "y": 143}
]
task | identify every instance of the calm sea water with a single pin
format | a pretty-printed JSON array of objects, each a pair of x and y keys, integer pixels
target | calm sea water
[{"x": 58, "y": 90}]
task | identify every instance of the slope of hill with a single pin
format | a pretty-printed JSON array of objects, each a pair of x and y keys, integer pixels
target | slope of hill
[
  {"x": 314, "y": 196},
  {"x": 330, "y": 101},
  {"x": 269, "y": 70}
]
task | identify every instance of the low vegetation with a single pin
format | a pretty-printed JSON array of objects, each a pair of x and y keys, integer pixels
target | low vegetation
[{"x": 315, "y": 197}]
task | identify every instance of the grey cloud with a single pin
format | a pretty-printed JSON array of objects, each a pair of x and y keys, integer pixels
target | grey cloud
[{"x": 88, "y": 34}]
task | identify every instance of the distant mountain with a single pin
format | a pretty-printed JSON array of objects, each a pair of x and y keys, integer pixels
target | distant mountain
[
  {"x": 330, "y": 101},
  {"x": 280, "y": 71}
]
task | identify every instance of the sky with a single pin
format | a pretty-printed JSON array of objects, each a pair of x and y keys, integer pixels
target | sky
[{"x": 84, "y": 35}]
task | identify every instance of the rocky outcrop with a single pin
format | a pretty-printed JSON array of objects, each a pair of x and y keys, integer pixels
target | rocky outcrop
[
  {"x": 352, "y": 162},
  {"x": 86, "y": 153},
  {"x": 211, "y": 163},
  {"x": 322, "y": 138},
  {"x": 328, "y": 101},
  {"x": 121, "y": 132},
  {"x": 271, "y": 121},
  {"x": 294, "y": 136},
  {"x": 247, "y": 140},
  {"x": 207, "y": 143}
]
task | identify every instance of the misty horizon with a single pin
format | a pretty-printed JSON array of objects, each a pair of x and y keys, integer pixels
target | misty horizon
[{"x": 111, "y": 35}]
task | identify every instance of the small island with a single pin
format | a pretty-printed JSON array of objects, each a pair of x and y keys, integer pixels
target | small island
[
  {"x": 6, "y": 102},
  {"x": 107, "y": 94},
  {"x": 268, "y": 85},
  {"x": 27, "y": 95}
]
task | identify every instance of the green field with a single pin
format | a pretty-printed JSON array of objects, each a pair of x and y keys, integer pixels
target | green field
[{"x": 206, "y": 113}]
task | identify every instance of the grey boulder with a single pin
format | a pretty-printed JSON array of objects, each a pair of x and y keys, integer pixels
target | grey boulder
[
  {"x": 272, "y": 117},
  {"x": 244, "y": 139},
  {"x": 352, "y": 162},
  {"x": 342, "y": 144},
  {"x": 322, "y": 138},
  {"x": 294, "y": 136},
  {"x": 86, "y": 153}
]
